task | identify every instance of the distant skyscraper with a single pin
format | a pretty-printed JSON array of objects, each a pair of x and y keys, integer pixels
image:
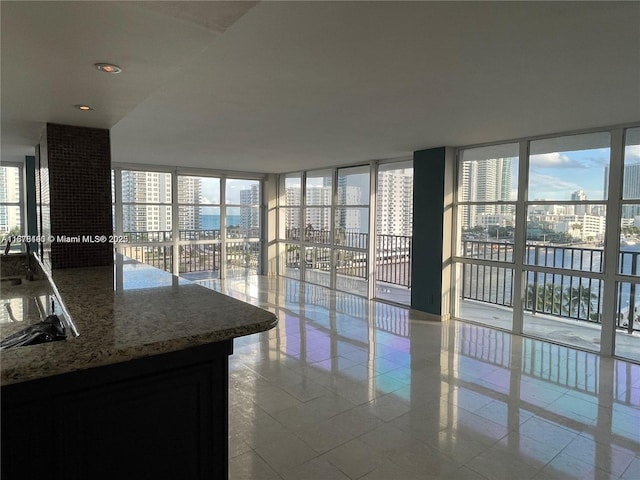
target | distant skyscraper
[
  {"x": 394, "y": 214},
  {"x": 317, "y": 214},
  {"x": 348, "y": 219},
  {"x": 250, "y": 216},
  {"x": 146, "y": 198},
  {"x": 189, "y": 192},
  {"x": 630, "y": 188},
  {"x": 485, "y": 181},
  {"x": 9, "y": 193},
  {"x": 579, "y": 196},
  {"x": 292, "y": 215}
]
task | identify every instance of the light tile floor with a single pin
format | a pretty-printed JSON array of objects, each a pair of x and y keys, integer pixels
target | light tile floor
[{"x": 345, "y": 388}]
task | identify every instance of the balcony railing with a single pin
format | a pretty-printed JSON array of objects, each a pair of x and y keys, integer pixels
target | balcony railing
[
  {"x": 159, "y": 256},
  {"x": 347, "y": 238},
  {"x": 393, "y": 254},
  {"x": 199, "y": 258},
  {"x": 198, "y": 250},
  {"x": 393, "y": 259},
  {"x": 199, "y": 235},
  {"x": 567, "y": 295}
]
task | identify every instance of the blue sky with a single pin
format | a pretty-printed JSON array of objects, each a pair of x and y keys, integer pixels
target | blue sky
[
  {"x": 552, "y": 176},
  {"x": 555, "y": 176},
  {"x": 211, "y": 189}
]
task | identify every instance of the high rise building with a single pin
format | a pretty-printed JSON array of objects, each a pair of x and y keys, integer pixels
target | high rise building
[
  {"x": 250, "y": 215},
  {"x": 580, "y": 196},
  {"x": 487, "y": 180},
  {"x": 146, "y": 198},
  {"x": 349, "y": 220},
  {"x": 630, "y": 188},
  {"x": 189, "y": 192},
  {"x": 9, "y": 193},
  {"x": 292, "y": 215},
  {"x": 394, "y": 213},
  {"x": 318, "y": 211}
]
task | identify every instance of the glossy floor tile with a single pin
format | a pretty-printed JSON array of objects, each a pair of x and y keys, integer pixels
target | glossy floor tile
[{"x": 345, "y": 388}]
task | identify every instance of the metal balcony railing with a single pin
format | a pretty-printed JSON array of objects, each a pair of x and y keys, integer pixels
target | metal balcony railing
[
  {"x": 393, "y": 254},
  {"x": 393, "y": 259},
  {"x": 198, "y": 250},
  {"x": 568, "y": 295},
  {"x": 343, "y": 237}
]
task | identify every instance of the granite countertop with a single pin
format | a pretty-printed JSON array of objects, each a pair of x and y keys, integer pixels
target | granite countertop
[{"x": 128, "y": 311}]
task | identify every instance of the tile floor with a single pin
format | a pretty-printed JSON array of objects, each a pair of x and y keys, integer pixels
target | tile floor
[{"x": 345, "y": 388}]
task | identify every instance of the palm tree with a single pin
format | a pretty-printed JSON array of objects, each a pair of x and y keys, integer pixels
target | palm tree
[
  {"x": 547, "y": 298},
  {"x": 579, "y": 302}
]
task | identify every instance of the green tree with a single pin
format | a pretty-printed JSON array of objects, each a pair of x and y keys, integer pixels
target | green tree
[
  {"x": 579, "y": 302},
  {"x": 547, "y": 297}
]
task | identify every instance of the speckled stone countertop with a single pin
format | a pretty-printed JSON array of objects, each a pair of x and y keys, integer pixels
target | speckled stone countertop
[{"x": 129, "y": 311}]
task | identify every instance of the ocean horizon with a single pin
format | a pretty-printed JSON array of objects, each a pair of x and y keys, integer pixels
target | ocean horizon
[{"x": 212, "y": 222}]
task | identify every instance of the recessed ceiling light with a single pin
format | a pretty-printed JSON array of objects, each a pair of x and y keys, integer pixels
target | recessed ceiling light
[
  {"x": 84, "y": 108},
  {"x": 108, "y": 67}
]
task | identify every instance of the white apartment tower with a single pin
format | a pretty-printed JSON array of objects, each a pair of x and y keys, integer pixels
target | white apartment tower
[
  {"x": 189, "y": 192},
  {"x": 9, "y": 194},
  {"x": 318, "y": 211},
  {"x": 146, "y": 198},
  {"x": 250, "y": 214},
  {"x": 394, "y": 213},
  {"x": 487, "y": 180},
  {"x": 292, "y": 215}
]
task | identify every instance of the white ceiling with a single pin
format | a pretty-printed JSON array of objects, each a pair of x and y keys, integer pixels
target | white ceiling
[{"x": 280, "y": 86}]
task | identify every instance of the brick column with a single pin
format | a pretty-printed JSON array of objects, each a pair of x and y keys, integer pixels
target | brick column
[{"x": 78, "y": 161}]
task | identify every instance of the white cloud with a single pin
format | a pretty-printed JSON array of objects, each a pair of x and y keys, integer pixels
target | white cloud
[
  {"x": 632, "y": 153},
  {"x": 554, "y": 160},
  {"x": 550, "y": 187}
]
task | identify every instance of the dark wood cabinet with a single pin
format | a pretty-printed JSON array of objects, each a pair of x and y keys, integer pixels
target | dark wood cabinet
[{"x": 157, "y": 417}]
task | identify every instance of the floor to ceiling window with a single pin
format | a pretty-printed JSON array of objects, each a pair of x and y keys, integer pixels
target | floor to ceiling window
[
  {"x": 394, "y": 232},
  {"x": 199, "y": 250},
  {"x": 243, "y": 222},
  {"x": 317, "y": 227},
  {"x": 627, "y": 321},
  {"x": 11, "y": 206},
  {"x": 546, "y": 238},
  {"x": 565, "y": 232},
  {"x": 351, "y": 237},
  {"x": 290, "y": 226},
  {"x": 326, "y": 224},
  {"x": 143, "y": 201},
  {"x": 199, "y": 226}
]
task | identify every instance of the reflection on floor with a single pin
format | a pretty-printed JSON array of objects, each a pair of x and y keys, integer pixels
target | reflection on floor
[
  {"x": 359, "y": 286},
  {"x": 345, "y": 388}
]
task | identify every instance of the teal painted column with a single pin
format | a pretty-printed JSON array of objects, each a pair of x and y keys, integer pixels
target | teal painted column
[
  {"x": 429, "y": 270},
  {"x": 30, "y": 198}
]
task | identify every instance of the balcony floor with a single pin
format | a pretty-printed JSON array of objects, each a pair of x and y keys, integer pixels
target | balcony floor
[
  {"x": 346, "y": 388},
  {"x": 581, "y": 334}
]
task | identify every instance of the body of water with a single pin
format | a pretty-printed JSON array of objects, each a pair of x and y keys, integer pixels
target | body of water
[
  {"x": 212, "y": 222},
  {"x": 494, "y": 283}
]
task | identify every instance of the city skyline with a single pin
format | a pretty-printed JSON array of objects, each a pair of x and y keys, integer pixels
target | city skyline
[
  {"x": 147, "y": 202},
  {"x": 10, "y": 217}
]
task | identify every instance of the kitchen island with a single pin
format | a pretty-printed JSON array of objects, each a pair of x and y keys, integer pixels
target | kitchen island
[{"x": 140, "y": 392}]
